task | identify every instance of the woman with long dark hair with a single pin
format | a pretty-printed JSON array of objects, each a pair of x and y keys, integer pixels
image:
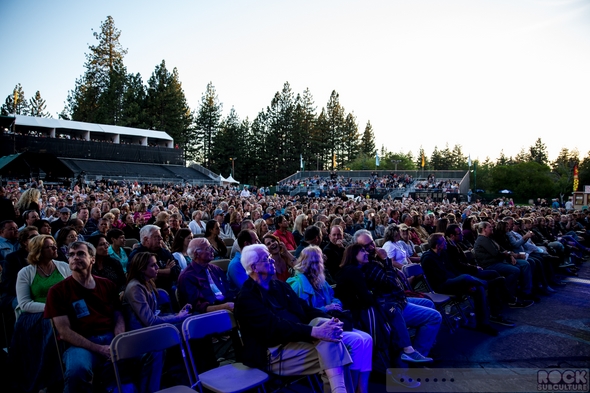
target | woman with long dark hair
[
  {"x": 179, "y": 248},
  {"x": 212, "y": 231},
  {"x": 140, "y": 301}
]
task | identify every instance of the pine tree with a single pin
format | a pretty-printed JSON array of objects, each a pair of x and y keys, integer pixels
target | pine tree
[
  {"x": 206, "y": 125},
  {"x": 37, "y": 106},
  {"x": 350, "y": 139},
  {"x": 229, "y": 145},
  {"x": 16, "y": 103},
  {"x": 98, "y": 94},
  {"x": 256, "y": 146},
  {"x": 166, "y": 106},
  {"x": 538, "y": 152},
  {"x": 335, "y": 122},
  {"x": 458, "y": 159},
  {"x": 437, "y": 160},
  {"x": 134, "y": 103},
  {"x": 367, "y": 146},
  {"x": 305, "y": 120},
  {"x": 320, "y": 142}
]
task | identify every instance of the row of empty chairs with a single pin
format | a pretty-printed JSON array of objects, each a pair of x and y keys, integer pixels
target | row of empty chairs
[{"x": 229, "y": 378}]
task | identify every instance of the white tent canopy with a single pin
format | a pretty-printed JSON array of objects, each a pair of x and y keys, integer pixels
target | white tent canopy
[{"x": 230, "y": 179}]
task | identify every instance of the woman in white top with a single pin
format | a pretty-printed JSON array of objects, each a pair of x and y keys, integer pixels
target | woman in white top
[
  {"x": 33, "y": 349},
  {"x": 179, "y": 247},
  {"x": 197, "y": 226},
  {"x": 394, "y": 250}
]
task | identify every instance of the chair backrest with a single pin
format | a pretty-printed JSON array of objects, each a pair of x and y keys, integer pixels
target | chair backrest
[
  {"x": 222, "y": 263},
  {"x": 228, "y": 241},
  {"x": 415, "y": 269},
  {"x": 130, "y": 242},
  {"x": 379, "y": 242},
  {"x": 418, "y": 249},
  {"x": 202, "y": 325},
  {"x": 149, "y": 339},
  {"x": 412, "y": 269}
]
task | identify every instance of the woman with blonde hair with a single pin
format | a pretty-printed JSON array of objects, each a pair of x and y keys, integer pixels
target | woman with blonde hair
[
  {"x": 309, "y": 283},
  {"x": 261, "y": 227},
  {"x": 299, "y": 227},
  {"x": 29, "y": 200},
  {"x": 32, "y": 349}
]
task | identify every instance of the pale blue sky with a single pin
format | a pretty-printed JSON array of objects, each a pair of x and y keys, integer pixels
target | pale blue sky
[{"x": 488, "y": 75}]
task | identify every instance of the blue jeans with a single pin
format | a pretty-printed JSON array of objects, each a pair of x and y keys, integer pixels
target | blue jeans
[
  {"x": 421, "y": 315},
  {"x": 81, "y": 363},
  {"x": 508, "y": 271}
]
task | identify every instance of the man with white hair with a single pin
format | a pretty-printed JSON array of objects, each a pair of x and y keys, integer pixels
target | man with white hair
[
  {"x": 281, "y": 332},
  {"x": 169, "y": 269},
  {"x": 202, "y": 285}
]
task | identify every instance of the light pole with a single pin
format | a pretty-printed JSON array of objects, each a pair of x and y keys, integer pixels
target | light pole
[
  {"x": 232, "y": 159},
  {"x": 396, "y": 162}
]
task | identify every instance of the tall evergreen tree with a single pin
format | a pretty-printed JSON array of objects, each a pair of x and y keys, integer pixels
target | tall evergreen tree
[
  {"x": 279, "y": 141},
  {"x": 255, "y": 143},
  {"x": 16, "y": 103},
  {"x": 229, "y": 145},
  {"x": 538, "y": 152},
  {"x": 350, "y": 139},
  {"x": 166, "y": 105},
  {"x": 98, "y": 94},
  {"x": 134, "y": 103},
  {"x": 206, "y": 125},
  {"x": 335, "y": 123},
  {"x": 521, "y": 157},
  {"x": 305, "y": 120},
  {"x": 458, "y": 159},
  {"x": 437, "y": 160},
  {"x": 37, "y": 106},
  {"x": 320, "y": 142},
  {"x": 367, "y": 146}
]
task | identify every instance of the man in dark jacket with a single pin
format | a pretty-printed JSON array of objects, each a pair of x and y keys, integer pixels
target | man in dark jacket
[
  {"x": 490, "y": 255},
  {"x": 281, "y": 332},
  {"x": 444, "y": 280}
]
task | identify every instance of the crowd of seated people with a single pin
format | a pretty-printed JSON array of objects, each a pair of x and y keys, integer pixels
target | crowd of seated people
[
  {"x": 521, "y": 253},
  {"x": 336, "y": 184}
]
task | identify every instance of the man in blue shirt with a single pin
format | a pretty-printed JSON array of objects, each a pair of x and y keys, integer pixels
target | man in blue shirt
[{"x": 236, "y": 274}]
